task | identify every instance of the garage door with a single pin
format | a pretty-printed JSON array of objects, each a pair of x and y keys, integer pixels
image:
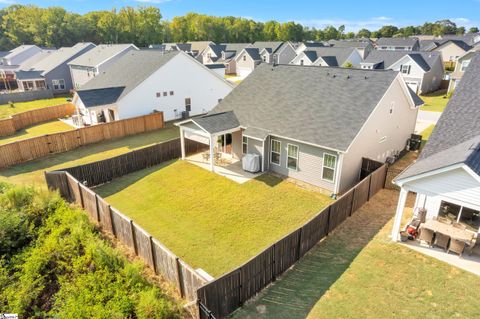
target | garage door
[
  {"x": 413, "y": 86},
  {"x": 243, "y": 72}
]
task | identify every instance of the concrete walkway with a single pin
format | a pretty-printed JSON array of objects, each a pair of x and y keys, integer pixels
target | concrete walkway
[
  {"x": 295, "y": 293},
  {"x": 425, "y": 119}
]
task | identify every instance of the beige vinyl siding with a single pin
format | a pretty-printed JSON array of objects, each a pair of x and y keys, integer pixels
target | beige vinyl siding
[
  {"x": 237, "y": 144},
  {"x": 310, "y": 163},
  {"x": 396, "y": 127}
]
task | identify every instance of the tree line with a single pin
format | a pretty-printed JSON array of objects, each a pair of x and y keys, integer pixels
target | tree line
[{"x": 56, "y": 27}]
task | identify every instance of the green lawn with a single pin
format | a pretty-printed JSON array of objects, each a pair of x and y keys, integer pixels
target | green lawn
[
  {"x": 6, "y": 110},
  {"x": 32, "y": 172},
  {"x": 388, "y": 280},
  {"x": 434, "y": 102},
  {"x": 208, "y": 220},
  {"x": 427, "y": 132},
  {"x": 37, "y": 130}
]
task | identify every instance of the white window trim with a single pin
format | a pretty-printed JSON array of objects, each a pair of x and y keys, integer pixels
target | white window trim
[
  {"x": 246, "y": 143},
  {"x": 334, "y": 168},
  {"x": 298, "y": 151},
  {"x": 58, "y": 84},
  {"x": 279, "y": 154}
]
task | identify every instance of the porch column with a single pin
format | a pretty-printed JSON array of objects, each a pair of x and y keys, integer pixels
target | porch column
[
  {"x": 212, "y": 160},
  {"x": 182, "y": 142},
  {"x": 402, "y": 200}
]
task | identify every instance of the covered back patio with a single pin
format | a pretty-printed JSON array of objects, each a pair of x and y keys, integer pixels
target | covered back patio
[{"x": 226, "y": 155}]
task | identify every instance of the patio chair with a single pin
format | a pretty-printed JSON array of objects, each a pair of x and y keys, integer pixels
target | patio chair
[
  {"x": 459, "y": 225},
  {"x": 441, "y": 240},
  {"x": 426, "y": 235},
  {"x": 457, "y": 246}
]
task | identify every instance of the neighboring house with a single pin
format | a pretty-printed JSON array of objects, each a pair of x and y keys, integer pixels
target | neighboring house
[
  {"x": 422, "y": 71},
  {"x": 8, "y": 80},
  {"x": 93, "y": 62},
  {"x": 308, "y": 45},
  {"x": 364, "y": 47},
  {"x": 285, "y": 54},
  {"x": 469, "y": 38},
  {"x": 446, "y": 175},
  {"x": 213, "y": 52},
  {"x": 267, "y": 49},
  {"x": 146, "y": 81},
  {"x": 398, "y": 44},
  {"x": 218, "y": 68},
  {"x": 461, "y": 66},
  {"x": 452, "y": 49},
  {"x": 428, "y": 45},
  {"x": 52, "y": 72},
  {"x": 246, "y": 61},
  {"x": 328, "y": 56},
  {"x": 19, "y": 55},
  {"x": 197, "y": 47},
  {"x": 311, "y": 124}
]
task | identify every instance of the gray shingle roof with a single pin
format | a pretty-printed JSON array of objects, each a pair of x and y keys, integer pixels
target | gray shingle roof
[
  {"x": 18, "y": 50},
  {"x": 467, "y": 38},
  {"x": 98, "y": 97},
  {"x": 456, "y": 137},
  {"x": 28, "y": 75},
  {"x": 424, "y": 59},
  {"x": 274, "y": 46},
  {"x": 218, "y": 122},
  {"x": 99, "y": 54},
  {"x": 62, "y": 55},
  {"x": 397, "y": 42},
  {"x": 254, "y": 53},
  {"x": 459, "y": 43},
  {"x": 428, "y": 45},
  {"x": 332, "y": 56},
  {"x": 319, "y": 105},
  {"x": 349, "y": 44},
  {"x": 215, "y": 66},
  {"x": 130, "y": 70}
]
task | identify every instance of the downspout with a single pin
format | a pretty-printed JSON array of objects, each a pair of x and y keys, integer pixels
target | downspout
[{"x": 338, "y": 174}]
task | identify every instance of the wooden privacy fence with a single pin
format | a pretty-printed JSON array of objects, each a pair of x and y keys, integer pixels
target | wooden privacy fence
[
  {"x": 222, "y": 296},
  {"x": 36, "y": 147},
  {"x": 155, "y": 255},
  {"x": 15, "y": 122}
]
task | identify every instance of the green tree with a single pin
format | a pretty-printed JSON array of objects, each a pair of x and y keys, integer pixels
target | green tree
[
  {"x": 364, "y": 33},
  {"x": 473, "y": 30},
  {"x": 388, "y": 31}
]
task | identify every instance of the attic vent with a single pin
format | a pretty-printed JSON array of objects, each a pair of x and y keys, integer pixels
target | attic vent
[
  {"x": 348, "y": 77},
  {"x": 365, "y": 77},
  {"x": 334, "y": 76}
]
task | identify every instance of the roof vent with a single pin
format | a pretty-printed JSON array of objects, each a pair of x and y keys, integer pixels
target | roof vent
[
  {"x": 365, "y": 77},
  {"x": 333, "y": 76},
  {"x": 348, "y": 76}
]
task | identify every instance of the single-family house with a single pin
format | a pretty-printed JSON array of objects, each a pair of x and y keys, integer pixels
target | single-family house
[
  {"x": 197, "y": 47},
  {"x": 19, "y": 55},
  {"x": 309, "y": 45},
  {"x": 93, "y": 62},
  {"x": 469, "y": 38},
  {"x": 460, "y": 67},
  {"x": 428, "y": 45},
  {"x": 52, "y": 72},
  {"x": 218, "y": 68},
  {"x": 310, "y": 124},
  {"x": 328, "y": 56},
  {"x": 446, "y": 175},
  {"x": 213, "y": 52},
  {"x": 146, "y": 81},
  {"x": 452, "y": 49},
  {"x": 285, "y": 53},
  {"x": 398, "y": 44},
  {"x": 364, "y": 47},
  {"x": 422, "y": 71},
  {"x": 259, "y": 52}
]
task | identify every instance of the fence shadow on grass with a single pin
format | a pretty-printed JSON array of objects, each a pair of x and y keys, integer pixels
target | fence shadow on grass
[{"x": 295, "y": 293}]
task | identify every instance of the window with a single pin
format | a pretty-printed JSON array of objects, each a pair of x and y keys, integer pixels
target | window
[
  {"x": 171, "y": 93},
  {"x": 392, "y": 107},
  {"x": 159, "y": 94},
  {"x": 244, "y": 145},
  {"x": 165, "y": 93},
  {"x": 464, "y": 65},
  {"x": 264, "y": 58},
  {"x": 301, "y": 62},
  {"x": 329, "y": 163},
  {"x": 188, "y": 104},
  {"x": 464, "y": 215},
  {"x": 275, "y": 152},
  {"x": 292, "y": 156},
  {"x": 405, "y": 69},
  {"x": 58, "y": 84},
  {"x": 244, "y": 58}
]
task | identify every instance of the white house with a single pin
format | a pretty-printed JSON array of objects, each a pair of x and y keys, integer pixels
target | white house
[
  {"x": 19, "y": 55},
  {"x": 328, "y": 56},
  {"x": 422, "y": 71},
  {"x": 460, "y": 67},
  {"x": 398, "y": 44},
  {"x": 446, "y": 176},
  {"x": 93, "y": 62},
  {"x": 145, "y": 81}
]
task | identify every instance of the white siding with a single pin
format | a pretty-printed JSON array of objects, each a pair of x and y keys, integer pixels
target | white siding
[{"x": 184, "y": 76}]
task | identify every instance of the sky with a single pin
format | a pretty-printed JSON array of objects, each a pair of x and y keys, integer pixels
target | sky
[{"x": 315, "y": 13}]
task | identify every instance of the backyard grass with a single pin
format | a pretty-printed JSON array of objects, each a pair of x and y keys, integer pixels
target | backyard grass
[
  {"x": 33, "y": 172},
  {"x": 6, "y": 110},
  {"x": 37, "y": 130},
  {"x": 388, "y": 280},
  {"x": 208, "y": 220},
  {"x": 434, "y": 102}
]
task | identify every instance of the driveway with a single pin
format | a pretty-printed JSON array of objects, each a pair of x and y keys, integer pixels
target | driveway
[
  {"x": 425, "y": 119},
  {"x": 295, "y": 293}
]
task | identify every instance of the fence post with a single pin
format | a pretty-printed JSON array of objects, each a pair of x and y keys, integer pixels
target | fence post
[
  {"x": 328, "y": 219},
  {"x": 386, "y": 175},
  {"x": 97, "y": 208},
  {"x": 179, "y": 278},
  {"x": 299, "y": 243},
  {"x": 152, "y": 253},
  {"x": 353, "y": 201},
  {"x": 81, "y": 195},
  {"x": 134, "y": 239},
  {"x": 112, "y": 225},
  {"x": 369, "y": 185}
]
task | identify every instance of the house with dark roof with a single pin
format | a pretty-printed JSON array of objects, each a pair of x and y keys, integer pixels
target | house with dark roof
[
  {"x": 146, "y": 81},
  {"x": 310, "y": 124},
  {"x": 446, "y": 175},
  {"x": 309, "y": 45},
  {"x": 398, "y": 44},
  {"x": 285, "y": 54},
  {"x": 422, "y": 71},
  {"x": 250, "y": 57},
  {"x": 363, "y": 46},
  {"x": 452, "y": 49},
  {"x": 52, "y": 72},
  {"x": 328, "y": 56},
  {"x": 224, "y": 53},
  {"x": 93, "y": 62}
]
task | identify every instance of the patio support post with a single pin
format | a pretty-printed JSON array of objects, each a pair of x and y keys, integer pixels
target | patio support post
[
  {"x": 212, "y": 160},
  {"x": 182, "y": 142},
  {"x": 402, "y": 200}
]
